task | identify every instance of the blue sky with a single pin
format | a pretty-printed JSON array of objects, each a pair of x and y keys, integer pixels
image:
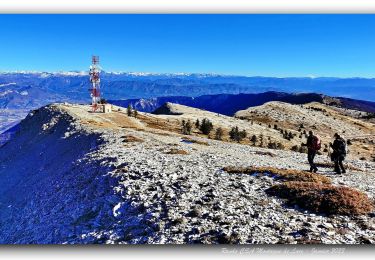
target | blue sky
[{"x": 263, "y": 45}]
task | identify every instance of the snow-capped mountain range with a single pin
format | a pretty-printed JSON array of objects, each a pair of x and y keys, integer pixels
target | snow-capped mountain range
[{"x": 21, "y": 91}]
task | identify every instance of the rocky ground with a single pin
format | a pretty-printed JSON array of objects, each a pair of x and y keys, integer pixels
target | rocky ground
[{"x": 121, "y": 184}]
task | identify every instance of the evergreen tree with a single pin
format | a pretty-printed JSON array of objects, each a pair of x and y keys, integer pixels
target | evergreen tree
[
  {"x": 183, "y": 126},
  {"x": 234, "y": 133},
  {"x": 253, "y": 139},
  {"x": 272, "y": 145},
  {"x": 242, "y": 135},
  {"x": 219, "y": 133},
  {"x": 129, "y": 110},
  {"x": 188, "y": 127},
  {"x": 135, "y": 113},
  {"x": 206, "y": 126},
  {"x": 197, "y": 124}
]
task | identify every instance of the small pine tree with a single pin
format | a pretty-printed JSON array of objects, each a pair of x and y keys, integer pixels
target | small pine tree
[
  {"x": 183, "y": 127},
  {"x": 272, "y": 145},
  {"x": 219, "y": 133},
  {"x": 129, "y": 110},
  {"x": 135, "y": 113},
  {"x": 234, "y": 133},
  {"x": 242, "y": 134},
  {"x": 206, "y": 126},
  {"x": 188, "y": 127},
  {"x": 197, "y": 124},
  {"x": 253, "y": 139}
]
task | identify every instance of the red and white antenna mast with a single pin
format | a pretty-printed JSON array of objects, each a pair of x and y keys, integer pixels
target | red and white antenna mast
[{"x": 95, "y": 82}]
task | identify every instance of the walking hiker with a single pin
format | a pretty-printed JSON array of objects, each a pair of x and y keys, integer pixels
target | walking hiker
[
  {"x": 339, "y": 153},
  {"x": 313, "y": 145}
]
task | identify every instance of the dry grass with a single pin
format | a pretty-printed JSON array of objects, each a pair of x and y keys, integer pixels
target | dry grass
[
  {"x": 287, "y": 175},
  {"x": 160, "y": 124},
  {"x": 112, "y": 120},
  {"x": 323, "y": 198},
  {"x": 96, "y": 123},
  {"x": 121, "y": 120},
  {"x": 132, "y": 139},
  {"x": 177, "y": 151},
  {"x": 187, "y": 139},
  {"x": 163, "y": 133}
]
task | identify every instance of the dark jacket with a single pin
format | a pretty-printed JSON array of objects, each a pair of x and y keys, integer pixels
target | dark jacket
[
  {"x": 339, "y": 147},
  {"x": 309, "y": 142}
]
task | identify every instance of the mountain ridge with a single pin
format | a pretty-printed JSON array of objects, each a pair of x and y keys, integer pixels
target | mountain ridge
[
  {"x": 107, "y": 178},
  {"x": 229, "y": 104},
  {"x": 24, "y": 91}
]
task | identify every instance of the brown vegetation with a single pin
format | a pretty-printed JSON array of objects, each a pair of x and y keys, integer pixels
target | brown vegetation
[
  {"x": 160, "y": 123},
  {"x": 177, "y": 151},
  {"x": 323, "y": 198},
  {"x": 285, "y": 174},
  {"x": 131, "y": 139}
]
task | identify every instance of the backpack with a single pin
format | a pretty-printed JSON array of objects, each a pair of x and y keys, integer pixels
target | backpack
[
  {"x": 341, "y": 146},
  {"x": 316, "y": 143}
]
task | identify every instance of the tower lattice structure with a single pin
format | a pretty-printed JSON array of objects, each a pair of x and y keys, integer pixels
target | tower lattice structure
[{"x": 95, "y": 83}]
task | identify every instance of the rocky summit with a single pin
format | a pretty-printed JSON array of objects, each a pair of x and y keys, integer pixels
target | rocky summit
[{"x": 70, "y": 176}]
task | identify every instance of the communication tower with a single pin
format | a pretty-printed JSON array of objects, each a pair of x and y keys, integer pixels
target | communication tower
[{"x": 95, "y": 83}]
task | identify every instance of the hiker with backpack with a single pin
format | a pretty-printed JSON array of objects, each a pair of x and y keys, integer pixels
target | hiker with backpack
[
  {"x": 313, "y": 146},
  {"x": 339, "y": 153}
]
